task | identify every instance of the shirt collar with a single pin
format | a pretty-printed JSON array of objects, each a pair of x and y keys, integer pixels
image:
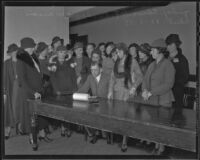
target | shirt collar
[{"x": 98, "y": 77}]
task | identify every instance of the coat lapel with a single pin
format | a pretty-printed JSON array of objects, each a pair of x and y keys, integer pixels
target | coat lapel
[
  {"x": 26, "y": 58},
  {"x": 154, "y": 68}
]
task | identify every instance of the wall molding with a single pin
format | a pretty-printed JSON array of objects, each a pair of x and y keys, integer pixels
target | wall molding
[{"x": 136, "y": 6}]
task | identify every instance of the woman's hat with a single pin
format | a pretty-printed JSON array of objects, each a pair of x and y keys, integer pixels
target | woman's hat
[
  {"x": 69, "y": 47},
  {"x": 11, "y": 48},
  {"x": 145, "y": 48},
  {"x": 122, "y": 46},
  {"x": 173, "y": 38},
  {"x": 41, "y": 46},
  {"x": 56, "y": 39},
  {"x": 78, "y": 45},
  {"x": 27, "y": 42},
  {"x": 159, "y": 43}
]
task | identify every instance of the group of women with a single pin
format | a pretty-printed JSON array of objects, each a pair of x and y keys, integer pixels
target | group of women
[{"x": 154, "y": 73}]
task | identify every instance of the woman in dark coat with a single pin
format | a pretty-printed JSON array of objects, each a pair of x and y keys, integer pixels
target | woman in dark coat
[
  {"x": 62, "y": 73},
  {"x": 10, "y": 89},
  {"x": 82, "y": 66},
  {"x": 56, "y": 42},
  {"x": 144, "y": 61},
  {"x": 181, "y": 66},
  {"x": 42, "y": 51},
  {"x": 145, "y": 58},
  {"x": 30, "y": 86},
  {"x": 63, "y": 78}
]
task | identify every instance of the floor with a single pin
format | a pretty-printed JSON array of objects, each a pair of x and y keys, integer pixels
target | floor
[{"x": 76, "y": 145}]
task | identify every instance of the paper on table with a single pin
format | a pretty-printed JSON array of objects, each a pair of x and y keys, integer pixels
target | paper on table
[{"x": 81, "y": 96}]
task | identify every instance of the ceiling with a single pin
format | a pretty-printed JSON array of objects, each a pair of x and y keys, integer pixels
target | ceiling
[
  {"x": 77, "y": 13},
  {"x": 69, "y": 11}
]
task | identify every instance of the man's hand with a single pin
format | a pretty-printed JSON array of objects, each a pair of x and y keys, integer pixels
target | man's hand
[
  {"x": 79, "y": 80},
  {"x": 37, "y": 95},
  {"x": 132, "y": 91},
  {"x": 4, "y": 98},
  {"x": 110, "y": 95},
  {"x": 58, "y": 93}
]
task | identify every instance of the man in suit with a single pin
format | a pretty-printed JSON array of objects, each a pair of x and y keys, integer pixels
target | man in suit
[{"x": 98, "y": 83}]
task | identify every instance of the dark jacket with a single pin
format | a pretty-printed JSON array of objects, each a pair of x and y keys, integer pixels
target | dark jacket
[
  {"x": 143, "y": 67},
  {"x": 10, "y": 86},
  {"x": 182, "y": 69},
  {"x": 64, "y": 78},
  {"x": 85, "y": 71},
  {"x": 30, "y": 80},
  {"x": 98, "y": 89},
  {"x": 181, "y": 77}
]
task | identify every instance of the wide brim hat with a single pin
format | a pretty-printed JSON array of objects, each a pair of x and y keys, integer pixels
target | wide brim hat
[
  {"x": 27, "y": 42},
  {"x": 56, "y": 39},
  {"x": 173, "y": 38},
  {"x": 11, "y": 48},
  {"x": 78, "y": 45},
  {"x": 145, "y": 48},
  {"x": 41, "y": 46}
]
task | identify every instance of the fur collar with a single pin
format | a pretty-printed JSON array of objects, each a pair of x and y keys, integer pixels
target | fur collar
[{"x": 26, "y": 58}]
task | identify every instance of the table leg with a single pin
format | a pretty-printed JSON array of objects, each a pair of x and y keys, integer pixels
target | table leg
[
  {"x": 111, "y": 138},
  {"x": 34, "y": 131}
]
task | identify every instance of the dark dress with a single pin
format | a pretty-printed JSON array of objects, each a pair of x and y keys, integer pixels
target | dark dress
[
  {"x": 181, "y": 78},
  {"x": 11, "y": 91},
  {"x": 64, "y": 78},
  {"x": 84, "y": 69},
  {"x": 143, "y": 66},
  {"x": 45, "y": 77},
  {"x": 30, "y": 81}
]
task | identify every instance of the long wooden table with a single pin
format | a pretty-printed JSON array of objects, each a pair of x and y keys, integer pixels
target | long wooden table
[{"x": 153, "y": 123}]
